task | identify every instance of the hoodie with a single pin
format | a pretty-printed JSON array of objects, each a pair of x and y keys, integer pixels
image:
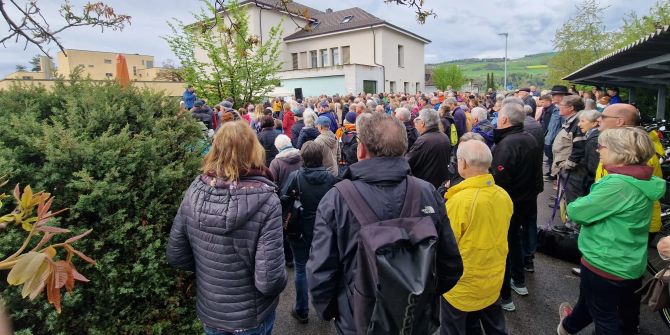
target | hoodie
[
  {"x": 286, "y": 161},
  {"x": 614, "y": 219},
  {"x": 329, "y": 150}
]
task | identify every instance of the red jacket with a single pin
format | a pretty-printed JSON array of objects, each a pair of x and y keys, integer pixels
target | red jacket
[{"x": 287, "y": 123}]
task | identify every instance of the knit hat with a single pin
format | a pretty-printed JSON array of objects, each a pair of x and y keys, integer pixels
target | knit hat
[
  {"x": 323, "y": 121},
  {"x": 199, "y": 103},
  {"x": 351, "y": 117},
  {"x": 298, "y": 111},
  {"x": 283, "y": 142}
]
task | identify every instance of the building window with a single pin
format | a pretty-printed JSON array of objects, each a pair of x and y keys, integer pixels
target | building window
[
  {"x": 134, "y": 70},
  {"x": 314, "y": 24},
  {"x": 313, "y": 60},
  {"x": 143, "y": 62},
  {"x": 150, "y": 64},
  {"x": 27, "y": 77},
  {"x": 347, "y": 19},
  {"x": 335, "y": 55},
  {"x": 303, "y": 60},
  {"x": 294, "y": 57},
  {"x": 370, "y": 86},
  {"x": 324, "y": 57},
  {"x": 418, "y": 87},
  {"x": 109, "y": 74},
  {"x": 406, "y": 87},
  {"x": 90, "y": 65},
  {"x": 392, "y": 86},
  {"x": 401, "y": 56},
  {"x": 345, "y": 55},
  {"x": 108, "y": 61}
]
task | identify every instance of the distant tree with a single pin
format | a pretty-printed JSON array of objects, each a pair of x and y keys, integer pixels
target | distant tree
[
  {"x": 237, "y": 65},
  {"x": 635, "y": 27},
  {"x": 170, "y": 72},
  {"x": 581, "y": 40},
  {"x": 26, "y": 22},
  {"x": 493, "y": 82},
  {"x": 20, "y": 67},
  {"x": 446, "y": 75},
  {"x": 35, "y": 64}
]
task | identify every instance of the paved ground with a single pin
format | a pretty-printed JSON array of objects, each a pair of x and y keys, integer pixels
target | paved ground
[{"x": 536, "y": 314}]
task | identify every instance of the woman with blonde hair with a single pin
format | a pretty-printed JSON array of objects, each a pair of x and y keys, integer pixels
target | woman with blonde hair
[
  {"x": 614, "y": 219},
  {"x": 228, "y": 229}
]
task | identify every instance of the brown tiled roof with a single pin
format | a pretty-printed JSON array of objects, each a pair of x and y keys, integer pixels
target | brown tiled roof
[
  {"x": 332, "y": 22},
  {"x": 293, "y": 7}
]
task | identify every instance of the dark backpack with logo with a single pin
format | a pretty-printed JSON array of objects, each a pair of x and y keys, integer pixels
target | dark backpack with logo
[
  {"x": 348, "y": 147},
  {"x": 394, "y": 273}
]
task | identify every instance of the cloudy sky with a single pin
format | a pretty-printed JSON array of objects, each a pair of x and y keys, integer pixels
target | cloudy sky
[{"x": 462, "y": 29}]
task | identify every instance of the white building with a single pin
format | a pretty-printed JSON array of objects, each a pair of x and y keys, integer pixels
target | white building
[{"x": 347, "y": 51}]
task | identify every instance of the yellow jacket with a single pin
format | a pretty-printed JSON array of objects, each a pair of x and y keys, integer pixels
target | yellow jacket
[
  {"x": 479, "y": 212},
  {"x": 654, "y": 162}
]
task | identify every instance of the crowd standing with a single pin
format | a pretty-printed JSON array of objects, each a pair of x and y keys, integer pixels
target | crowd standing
[{"x": 408, "y": 213}]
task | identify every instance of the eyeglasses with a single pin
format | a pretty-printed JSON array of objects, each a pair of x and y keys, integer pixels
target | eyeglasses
[
  {"x": 417, "y": 120},
  {"x": 600, "y": 147},
  {"x": 603, "y": 116}
]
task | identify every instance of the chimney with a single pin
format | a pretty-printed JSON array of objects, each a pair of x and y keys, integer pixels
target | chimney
[
  {"x": 329, "y": 10},
  {"x": 46, "y": 66}
]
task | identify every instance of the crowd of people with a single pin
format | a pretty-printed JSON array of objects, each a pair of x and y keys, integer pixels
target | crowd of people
[{"x": 402, "y": 213}]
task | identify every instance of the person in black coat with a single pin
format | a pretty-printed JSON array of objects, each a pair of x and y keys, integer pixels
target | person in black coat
[
  {"x": 297, "y": 126},
  {"x": 517, "y": 168},
  {"x": 403, "y": 114},
  {"x": 429, "y": 156},
  {"x": 267, "y": 138}
]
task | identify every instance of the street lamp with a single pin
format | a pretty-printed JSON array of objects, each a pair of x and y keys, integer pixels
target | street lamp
[{"x": 505, "y": 80}]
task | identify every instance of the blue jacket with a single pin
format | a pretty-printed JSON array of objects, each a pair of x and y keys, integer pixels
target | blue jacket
[
  {"x": 554, "y": 125},
  {"x": 460, "y": 120},
  {"x": 333, "y": 120},
  {"x": 189, "y": 99},
  {"x": 484, "y": 128}
]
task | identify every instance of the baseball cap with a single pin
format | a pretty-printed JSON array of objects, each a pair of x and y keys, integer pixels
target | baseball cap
[
  {"x": 323, "y": 121},
  {"x": 351, "y": 117},
  {"x": 227, "y": 105}
]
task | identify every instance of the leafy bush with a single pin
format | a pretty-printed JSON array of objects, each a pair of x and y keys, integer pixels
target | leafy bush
[{"x": 120, "y": 160}]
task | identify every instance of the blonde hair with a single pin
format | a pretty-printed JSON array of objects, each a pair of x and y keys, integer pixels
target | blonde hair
[
  {"x": 235, "y": 149},
  {"x": 627, "y": 146},
  {"x": 258, "y": 111}
]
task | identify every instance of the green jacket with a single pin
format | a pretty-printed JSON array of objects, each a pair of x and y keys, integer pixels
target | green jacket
[{"x": 615, "y": 218}]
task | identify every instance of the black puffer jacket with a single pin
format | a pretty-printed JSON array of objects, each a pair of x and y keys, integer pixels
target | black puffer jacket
[
  {"x": 429, "y": 157},
  {"x": 517, "y": 163},
  {"x": 307, "y": 134},
  {"x": 231, "y": 236},
  {"x": 267, "y": 138},
  {"x": 295, "y": 132},
  {"x": 382, "y": 182}
]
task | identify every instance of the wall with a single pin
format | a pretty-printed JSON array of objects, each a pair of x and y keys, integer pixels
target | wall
[
  {"x": 315, "y": 86},
  {"x": 261, "y": 21},
  {"x": 21, "y": 74},
  {"x": 414, "y": 65},
  {"x": 173, "y": 89},
  {"x": 350, "y": 79},
  {"x": 99, "y": 68}
]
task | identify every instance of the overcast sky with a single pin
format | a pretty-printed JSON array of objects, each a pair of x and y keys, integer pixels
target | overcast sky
[{"x": 462, "y": 29}]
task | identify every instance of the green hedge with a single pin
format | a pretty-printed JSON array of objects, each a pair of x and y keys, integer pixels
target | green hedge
[{"x": 120, "y": 160}]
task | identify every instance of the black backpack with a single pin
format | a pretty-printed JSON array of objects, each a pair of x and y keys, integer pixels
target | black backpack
[
  {"x": 348, "y": 147},
  {"x": 394, "y": 273}
]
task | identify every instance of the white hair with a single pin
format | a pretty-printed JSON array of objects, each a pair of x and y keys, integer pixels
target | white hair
[
  {"x": 402, "y": 114},
  {"x": 479, "y": 113},
  {"x": 589, "y": 114},
  {"x": 310, "y": 117},
  {"x": 475, "y": 153},
  {"x": 513, "y": 100},
  {"x": 514, "y": 113},
  {"x": 429, "y": 117},
  {"x": 282, "y": 141}
]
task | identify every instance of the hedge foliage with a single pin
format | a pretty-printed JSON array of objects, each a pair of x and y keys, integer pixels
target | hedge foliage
[{"x": 120, "y": 160}]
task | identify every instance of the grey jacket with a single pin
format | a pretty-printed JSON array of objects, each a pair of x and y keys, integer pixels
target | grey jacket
[
  {"x": 230, "y": 234},
  {"x": 329, "y": 148}
]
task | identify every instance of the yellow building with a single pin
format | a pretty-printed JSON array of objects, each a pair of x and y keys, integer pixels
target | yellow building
[{"x": 102, "y": 65}]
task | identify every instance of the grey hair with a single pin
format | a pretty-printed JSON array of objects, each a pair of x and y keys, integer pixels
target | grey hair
[
  {"x": 450, "y": 101},
  {"x": 371, "y": 104},
  {"x": 429, "y": 117},
  {"x": 475, "y": 153},
  {"x": 589, "y": 104},
  {"x": 470, "y": 136},
  {"x": 500, "y": 97},
  {"x": 528, "y": 109},
  {"x": 479, "y": 113},
  {"x": 382, "y": 135},
  {"x": 514, "y": 113},
  {"x": 310, "y": 117},
  {"x": 402, "y": 113},
  {"x": 513, "y": 100},
  {"x": 627, "y": 146},
  {"x": 589, "y": 114}
]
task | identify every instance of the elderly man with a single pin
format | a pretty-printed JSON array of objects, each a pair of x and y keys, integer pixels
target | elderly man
[
  {"x": 552, "y": 113},
  {"x": 324, "y": 110},
  {"x": 480, "y": 213},
  {"x": 524, "y": 94},
  {"x": 328, "y": 141},
  {"x": 380, "y": 179},
  {"x": 482, "y": 125},
  {"x": 460, "y": 119},
  {"x": 517, "y": 168},
  {"x": 429, "y": 156},
  {"x": 360, "y": 108},
  {"x": 404, "y": 115}
]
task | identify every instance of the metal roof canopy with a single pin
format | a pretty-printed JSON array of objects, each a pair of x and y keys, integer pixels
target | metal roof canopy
[{"x": 645, "y": 64}]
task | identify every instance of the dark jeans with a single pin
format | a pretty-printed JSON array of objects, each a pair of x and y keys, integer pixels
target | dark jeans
[
  {"x": 288, "y": 254},
  {"x": 514, "y": 268},
  {"x": 613, "y": 306},
  {"x": 457, "y": 322},
  {"x": 265, "y": 328},
  {"x": 300, "y": 249},
  {"x": 549, "y": 154},
  {"x": 529, "y": 231}
]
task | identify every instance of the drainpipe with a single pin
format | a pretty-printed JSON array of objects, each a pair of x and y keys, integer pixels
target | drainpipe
[
  {"x": 260, "y": 21},
  {"x": 374, "y": 52}
]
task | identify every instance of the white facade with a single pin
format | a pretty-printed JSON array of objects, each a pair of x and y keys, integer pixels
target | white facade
[{"x": 370, "y": 59}]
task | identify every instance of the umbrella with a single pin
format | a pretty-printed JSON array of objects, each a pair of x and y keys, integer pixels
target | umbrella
[{"x": 122, "y": 75}]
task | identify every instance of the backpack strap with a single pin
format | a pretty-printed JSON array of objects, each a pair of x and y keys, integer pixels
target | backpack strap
[
  {"x": 359, "y": 207},
  {"x": 412, "y": 198}
]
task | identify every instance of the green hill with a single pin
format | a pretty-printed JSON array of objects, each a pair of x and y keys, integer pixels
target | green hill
[{"x": 528, "y": 70}]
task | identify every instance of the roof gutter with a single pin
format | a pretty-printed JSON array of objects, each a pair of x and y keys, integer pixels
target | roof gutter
[{"x": 374, "y": 56}]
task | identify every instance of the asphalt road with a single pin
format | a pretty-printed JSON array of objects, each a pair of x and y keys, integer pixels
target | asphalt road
[{"x": 536, "y": 314}]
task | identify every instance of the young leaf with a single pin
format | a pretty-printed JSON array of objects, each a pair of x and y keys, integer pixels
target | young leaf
[
  {"x": 50, "y": 251},
  {"x": 52, "y": 229},
  {"x": 53, "y": 293},
  {"x": 35, "y": 284},
  {"x": 27, "y": 197},
  {"x": 78, "y": 276},
  {"x": 61, "y": 273},
  {"x": 17, "y": 193},
  {"x": 78, "y": 237},
  {"x": 82, "y": 256},
  {"x": 26, "y": 267}
]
